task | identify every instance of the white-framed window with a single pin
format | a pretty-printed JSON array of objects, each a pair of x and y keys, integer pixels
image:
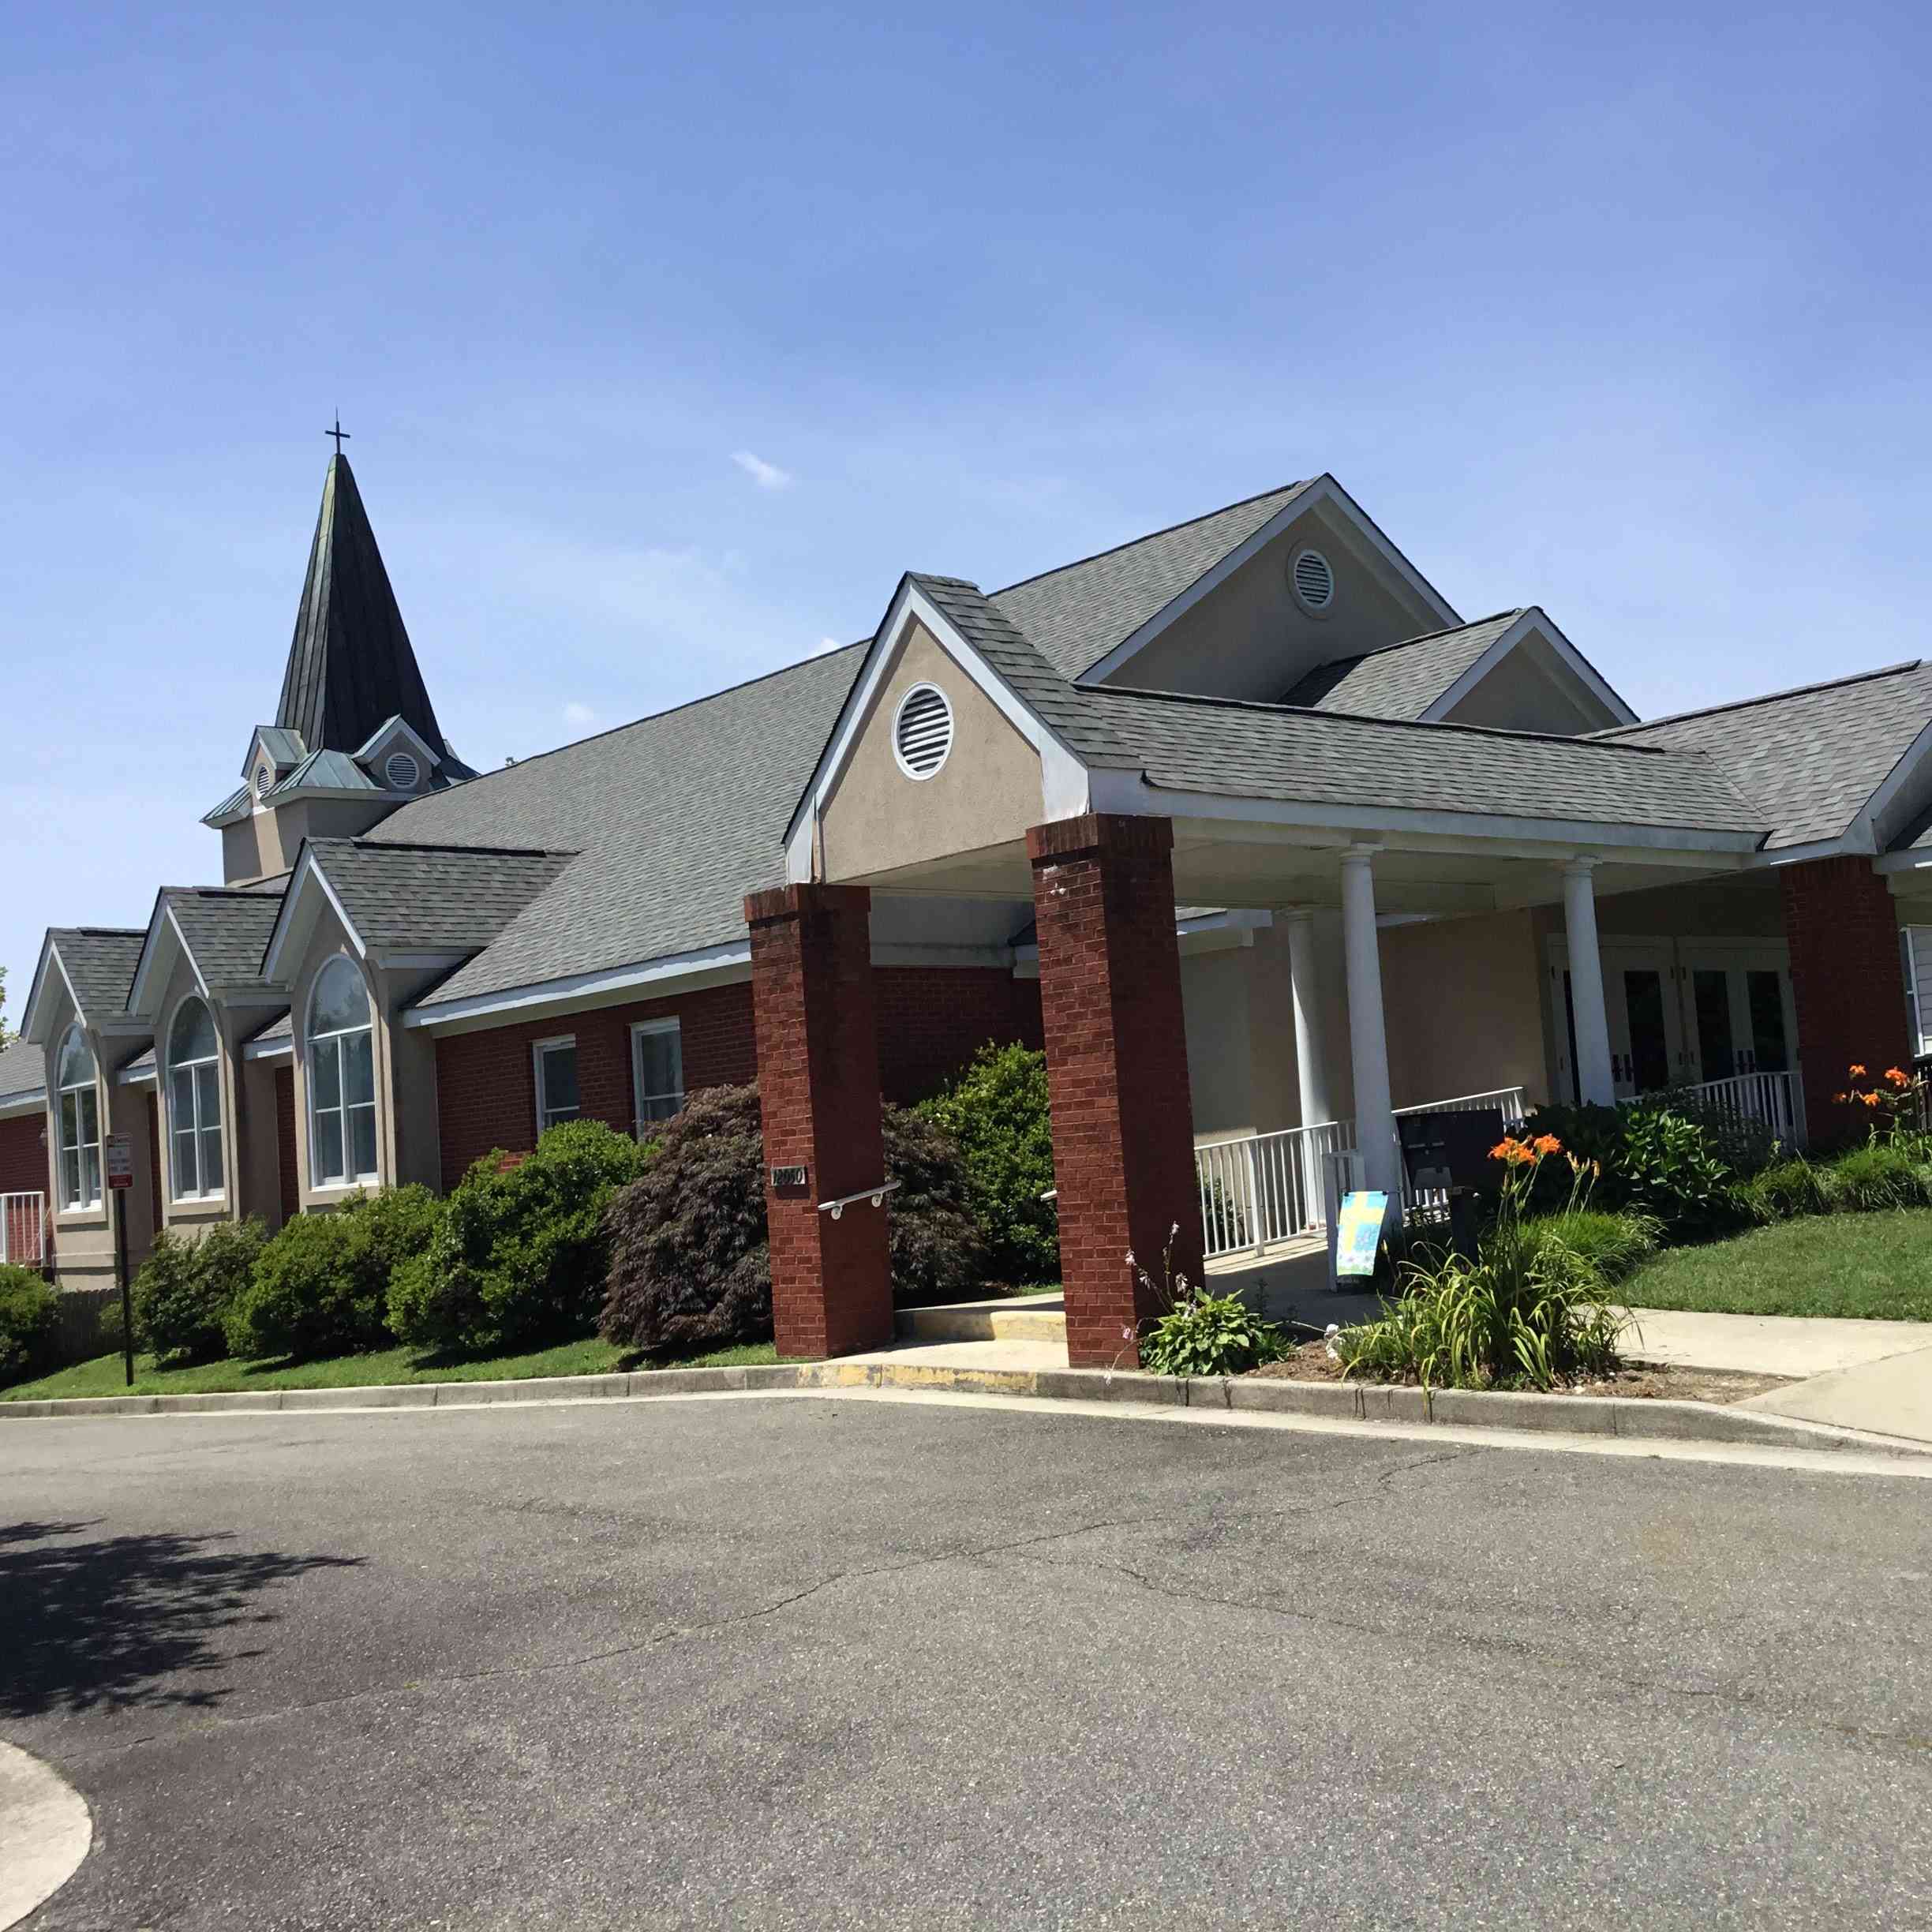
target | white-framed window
[
  {"x": 1909, "y": 947},
  {"x": 342, "y": 1078},
  {"x": 657, "y": 1068},
  {"x": 80, "y": 1123},
  {"x": 194, "y": 1103},
  {"x": 556, "y": 1081}
]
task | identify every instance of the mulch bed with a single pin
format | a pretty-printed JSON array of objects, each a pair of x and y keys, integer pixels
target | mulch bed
[{"x": 1312, "y": 1362}]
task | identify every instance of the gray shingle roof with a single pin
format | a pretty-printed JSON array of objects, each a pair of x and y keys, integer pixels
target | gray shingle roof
[
  {"x": 226, "y": 930},
  {"x": 281, "y": 1027},
  {"x": 1807, "y": 759},
  {"x": 1075, "y": 614},
  {"x": 1269, "y": 751},
  {"x": 23, "y": 1069},
  {"x": 1401, "y": 680},
  {"x": 435, "y": 898},
  {"x": 99, "y": 963},
  {"x": 678, "y": 817}
]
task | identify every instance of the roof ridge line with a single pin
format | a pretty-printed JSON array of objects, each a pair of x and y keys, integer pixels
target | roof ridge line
[
  {"x": 1166, "y": 529},
  {"x": 1425, "y": 636},
  {"x": 423, "y": 845},
  {"x": 1601, "y": 741},
  {"x": 1744, "y": 704}
]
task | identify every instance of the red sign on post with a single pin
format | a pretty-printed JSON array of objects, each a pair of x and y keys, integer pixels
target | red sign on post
[{"x": 120, "y": 1161}]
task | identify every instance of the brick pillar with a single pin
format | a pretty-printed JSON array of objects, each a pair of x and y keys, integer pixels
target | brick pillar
[
  {"x": 818, "y": 1093},
  {"x": 1117, "y": 1070},
  {"x": 1847, "y": 984}
]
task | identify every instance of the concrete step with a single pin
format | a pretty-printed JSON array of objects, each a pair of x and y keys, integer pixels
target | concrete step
[{"x": 1033, "y": 1319}]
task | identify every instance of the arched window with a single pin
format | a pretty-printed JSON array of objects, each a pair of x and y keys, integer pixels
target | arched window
[
  {"x": 194, "y": 1103},
  {"x": 342, "y": 1078},
  {"x": 80, "y": 1124}
]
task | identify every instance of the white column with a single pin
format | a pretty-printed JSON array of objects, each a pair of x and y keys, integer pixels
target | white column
[
  {"x": 1375, "y": 1115},
  {"x": 1594, "y": 1081},
  {"x": 1311, "y": 1051}
]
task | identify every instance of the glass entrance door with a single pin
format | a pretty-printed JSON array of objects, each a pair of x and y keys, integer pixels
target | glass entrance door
[
  {"x": 1646, "y": 1037},
  {"x": 1738, "y": 1010}
]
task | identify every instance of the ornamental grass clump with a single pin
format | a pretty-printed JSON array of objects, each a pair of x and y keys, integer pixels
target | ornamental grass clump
[{"x": 1526, "y": 1313}]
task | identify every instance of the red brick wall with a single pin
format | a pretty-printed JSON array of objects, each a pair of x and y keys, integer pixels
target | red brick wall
[
  {"x": 1847, "y": 984},
  {"x": 1116, "y": 1071},
  {"x": 287, "y": 1174},
  {"x": 486, "y": 1082},
  {"x": 815, "y": 997},
  {"x": 23, "y": 1170},
  {"x": 932, "y": 1019}
]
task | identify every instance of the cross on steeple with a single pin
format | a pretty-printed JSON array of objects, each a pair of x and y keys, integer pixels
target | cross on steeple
[{"x": 338, "y": 433}]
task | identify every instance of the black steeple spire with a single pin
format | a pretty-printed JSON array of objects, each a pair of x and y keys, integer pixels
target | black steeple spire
[{"x": 350, "y": 668}]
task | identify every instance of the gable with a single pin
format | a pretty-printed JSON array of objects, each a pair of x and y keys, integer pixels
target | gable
[
  {"x": 1533, "y": 687},
  {"x": 877, "y": 816},
  {"x": 1251, "y": 634}
]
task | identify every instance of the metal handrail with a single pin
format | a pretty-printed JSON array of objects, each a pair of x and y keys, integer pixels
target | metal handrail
[
  {"x": 1508, "y": 1099},
  {"x": 28, "y": 1211},
  {"x": 875, "y": 1195}
]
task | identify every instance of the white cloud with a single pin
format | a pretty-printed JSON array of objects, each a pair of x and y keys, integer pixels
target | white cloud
[
  {"x": 827, "y": 644},
  {"x": 766, "y": 475},
  {"x": 579, "y": 714}
]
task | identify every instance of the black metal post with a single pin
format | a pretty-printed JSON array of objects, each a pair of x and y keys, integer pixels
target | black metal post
[{"x": 121, "y": 1276}]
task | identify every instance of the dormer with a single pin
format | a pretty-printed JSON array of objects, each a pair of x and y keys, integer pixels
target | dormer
[{"x": 398, "y": 759}]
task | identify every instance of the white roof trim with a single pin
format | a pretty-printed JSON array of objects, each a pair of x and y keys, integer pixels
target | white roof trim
[
  {"x": 281, "y": 1047},
  {"x": 1063, "y": 777},
  {"x": 156, "y": 926},
  {"x": 307, "y": 866},
  {"x": 1533, "y": 618},
  {"x": 30, "y": 1013},
  {"x": 132, "y": 1076},
  {"x": 1325, "y": 490},
  {"x": 30, "y": 1100},
  {"x": 392, "y": 728},
  {"x": 660, "y": 974},
  {"x": 1870, "y": 822}
]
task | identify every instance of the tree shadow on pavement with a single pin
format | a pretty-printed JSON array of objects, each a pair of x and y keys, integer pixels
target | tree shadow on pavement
[{"x": 110, "y": 1622}]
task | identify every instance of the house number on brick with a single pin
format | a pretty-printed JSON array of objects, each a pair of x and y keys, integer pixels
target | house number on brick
[{"x": 782, "y": 1177}]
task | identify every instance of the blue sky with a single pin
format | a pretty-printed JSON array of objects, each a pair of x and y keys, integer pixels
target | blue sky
[{"x": 667, "y": 338}]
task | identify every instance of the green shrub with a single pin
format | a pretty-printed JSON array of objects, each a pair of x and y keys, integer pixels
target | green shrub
[
  {"x": 519, "y": 1255},
  {"x": 1671, "y": 1168},
  {"x": 29, "y": 1323},
  {"x": 998, "y": 1117},
  {"x": 1882, "y": 1174},
  {"x": 690, "y": 1262},
  {"x": 186, "y": 1287},
  {"x": 321, "y": 1285},
  {"x": 1527, "y": 1312},
  {"x": 1614, "y": 1244},
  {"x": 1204, "y": 1335},
  {"x": 1784, "y": 1190},
  {"x": 1593, "y": 1134}
]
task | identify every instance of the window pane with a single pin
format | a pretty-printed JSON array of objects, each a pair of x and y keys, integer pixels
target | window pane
[
  {"x": 661, "y": 1065},
  {"x": 340, "y": 1001},
  {"x": 70, "y": 1120},
  {"x": 77, "y": 1064},
  {"x": 1711, "y": 991},
  {"x": 70, "y": 1176},
  {"x": 328, "y": 1148},
  {"x": 325, "y": 1068},
  {"x": 660, "y": 1106},
  {"x": 207, "y": 1095},
  {"x": 90, "y": 1123},
  {"x": 180, "y": 1098},
  {"x": 358, "y": 1052},
  {"x": 559, "y": 1098},
  {"x": 90, "y": 1173},
  {"x": 211, "y": 1160},
  {"x": 362, "y": 1139},
  {"x": 193, "y": 1036},
  {"x": 186, "y": 1180}
]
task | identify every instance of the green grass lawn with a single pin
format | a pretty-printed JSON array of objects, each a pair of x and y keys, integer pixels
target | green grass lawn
[
  {"x": 104, "y": 1375},
  {"x": 1872, "y": 1266}
]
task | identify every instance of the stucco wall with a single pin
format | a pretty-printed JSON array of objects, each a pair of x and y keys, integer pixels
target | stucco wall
[
  {"x": 1252, "y": 637},
  {"x": 1462, "y": 1006},
  {"x": 986, "y": 793},
  {"x": 1532, "y": 690}
]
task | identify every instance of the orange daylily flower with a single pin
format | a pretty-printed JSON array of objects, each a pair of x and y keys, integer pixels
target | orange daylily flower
[
  {"x": 1872, "y": 1099},
  {"x": 1898, "y": 1076},
  {"x": 1512, "y": 1151},
  {"x": 1854, "y": 1069},
  {"x": 1547, "y": 1144}
]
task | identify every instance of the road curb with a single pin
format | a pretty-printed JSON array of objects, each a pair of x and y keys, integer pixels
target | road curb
[{"x": 1623, "y": 1417}]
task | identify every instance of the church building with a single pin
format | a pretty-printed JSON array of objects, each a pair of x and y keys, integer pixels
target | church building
[{"x": 1263, "y": 842}]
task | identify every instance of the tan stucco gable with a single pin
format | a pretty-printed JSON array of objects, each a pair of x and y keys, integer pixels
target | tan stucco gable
[
  {"x": 1533, "y": 688},
  {"x": 986, "y": 793}
]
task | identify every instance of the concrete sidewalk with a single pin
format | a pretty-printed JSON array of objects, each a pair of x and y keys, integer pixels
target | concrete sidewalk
[{"x": 1784, "y": 1345}]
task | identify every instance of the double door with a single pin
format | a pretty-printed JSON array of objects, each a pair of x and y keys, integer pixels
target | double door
[{"x": 1680, "y": 1012}]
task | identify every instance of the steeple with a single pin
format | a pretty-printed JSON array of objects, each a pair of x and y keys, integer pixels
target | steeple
[{"x": 350, "y": 668}]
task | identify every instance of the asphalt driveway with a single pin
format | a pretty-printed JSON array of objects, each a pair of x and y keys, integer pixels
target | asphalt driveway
[{"x": 802, "y": 1661}]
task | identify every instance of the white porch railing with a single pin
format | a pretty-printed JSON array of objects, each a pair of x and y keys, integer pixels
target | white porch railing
[
  {"x": 1260, "y": 1188},
  {"x": 23, "y": 1229},
  {"x": 1509, "y": 1101},
  {"x": 1770, "y": 1100}
]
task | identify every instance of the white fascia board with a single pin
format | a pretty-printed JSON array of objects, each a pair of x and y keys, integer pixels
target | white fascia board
[
  {"x": 1324, "y": 490},
  {"x": 138, "y": 1076},
  {"x": 306, "y": 869},
  {"x": 33, "y": 1014},
  {"x": 1844, "y": 846},
  {"x": 1064, "y": 778},
  {"x": 1120, "y": 792},
  {"x": 33, "y": 1101},
  {"x": 281, "y": 1047},
  {"x": 158, "y": 928},
  {"x": 655, "y": 979},
  {"x": 1237, "y": 927},
  {"x": 1878, "y": 818},
  {"x": 1534, "y": 618}
]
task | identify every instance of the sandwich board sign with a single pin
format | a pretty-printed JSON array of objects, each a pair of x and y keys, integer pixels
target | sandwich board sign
[
  {"x": 1358, "y": 1232},
  {"x": 120, "y": 1152}
]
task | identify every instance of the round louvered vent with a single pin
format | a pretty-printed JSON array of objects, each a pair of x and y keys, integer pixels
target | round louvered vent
[
  {"x": 1314, "y": 582},
  {"x": 402, "y": 771},
  {"x": 923, "y": 731}
]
